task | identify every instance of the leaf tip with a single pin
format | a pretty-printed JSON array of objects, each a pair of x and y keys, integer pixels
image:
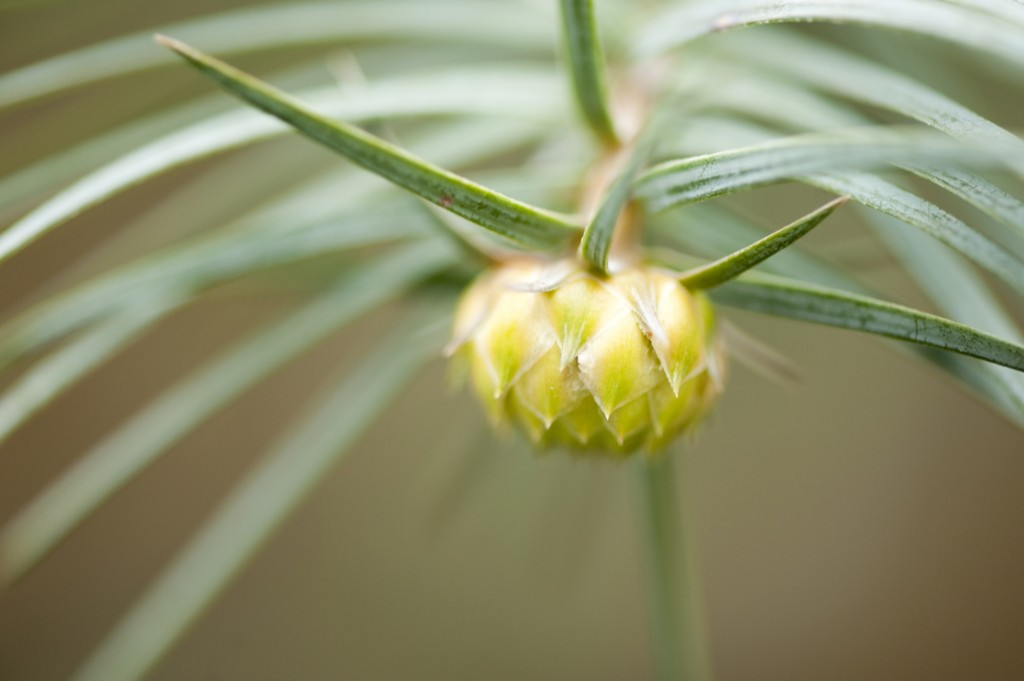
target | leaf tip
[
  {"x": 166, "y": 41},
  {"x": 838, "y": 202},
  {"x": 175, "y": 45}
]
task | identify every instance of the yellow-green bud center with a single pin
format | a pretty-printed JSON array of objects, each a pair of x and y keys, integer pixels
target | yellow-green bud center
[{"x": 604, "y": 364}]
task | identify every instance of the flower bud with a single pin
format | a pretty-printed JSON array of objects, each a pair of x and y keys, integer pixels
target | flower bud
[{"x": 603, "y": 364}]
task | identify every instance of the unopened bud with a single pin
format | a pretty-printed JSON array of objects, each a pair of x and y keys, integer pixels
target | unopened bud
[{"x": 596, "y": 363}]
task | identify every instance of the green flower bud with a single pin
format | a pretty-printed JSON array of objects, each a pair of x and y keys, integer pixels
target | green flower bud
[{"x": 604, "y": 364}]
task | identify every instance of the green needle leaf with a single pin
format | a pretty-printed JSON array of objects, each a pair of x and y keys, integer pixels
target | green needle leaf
[
  {"x": 289, "y": 24},
  {"x": 52, "y": 376},
  {"x": 709, "y": 230},
  {"x": 58, "y": 169},
  {"x": 191, "y": 267},
  {"x": 816, "y": 63},
  {"x": 504, "y": 216},
  {"x": 238, "y": 128},
  {"x": 256, "y": 507},
  {"x": 957, "y": 290},
  {"x": 783, "y": 297},
  {"x": 1011, "y": 10},
  {"x": 587, "y": 61},
  {"x": 712, "y": 227},
  {"x": 264, "y": 238},
  {"x": 965, "y": 26},
  {"x": 912, "y": 209},
  {"x": 703, "y": 177},
  {"x": 597, "y": 238},
  {"x": 775, "y": 101},
  {"x": 983, "y": 195},
  {"x": 37, "y": 528},
  {"x": 699, "y": 178},
  {"x": 722, "y": 270}
]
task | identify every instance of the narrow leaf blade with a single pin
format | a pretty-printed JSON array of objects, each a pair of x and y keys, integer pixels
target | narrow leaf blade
[
  {"x": 961, "y": 25},
  {"x": 790, "y": 298},
  {"x": 52, "y": 376},
  {"x": 809, "y": 160},
  {"x": 816, "y": 63},
  {"x": 238, "y": 128},
  {"x": 731, "y": 266},
  {"x": 293, "y": 24},
  {"x": 251, "y": 512},
  {"x": 507, "y": 217},
  {"x": 714, "y": 227},
  {"x": 38, "y": 527},
  {"x": 587, "y": 62},
  {"x": 957, "y": 290},
  {"x": 926, "y": 216},
  {"x": 597, "y": 238},
  {"x": 703, "y": 177},
  {"x": 265, "y": 237},
  {"x": 189, "y": 268}
]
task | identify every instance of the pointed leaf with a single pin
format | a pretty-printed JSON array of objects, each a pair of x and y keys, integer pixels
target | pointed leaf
[
  {"x": 1011, "y": 10},
  {"x": 265, "y": 237},
  {"x": 52, "y": 376},
  {"x": 60, "y": 168},
  {"x": 864, "y": 81},
  {"x": 276, "y": 26},
  {"x": 256, "y": 507},
  {"x": 587, "y": 61},
  {"x": 983, "y": 195},
  {"x": 948, "y": 280},
  {"x": 816, "y": 63},
  {"x": 726, "y": 268},
  {"x": 241, "y": 127},
  {"x": 37, "y": 528},
  {"x": 890, "y": 199},
  {"x": 597, "y": 238},
  {"x": 961, "y": 25},
  {"x": 795, "y": 108},
  {"x": 189, "y": 268},
  {"x": 783, "y": 297},
  {"x": 702, "y": 177},
  {"x": 757, "y": 164},
  {"x": 713, "y": 227},
  {"x": 507, "y": 217},
  {"x": 708, "y": 229}
]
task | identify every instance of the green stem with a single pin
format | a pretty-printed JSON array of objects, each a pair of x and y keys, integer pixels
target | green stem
[
  {"x": 586, "y": 60},
  {"x": 679, "y": 637}
]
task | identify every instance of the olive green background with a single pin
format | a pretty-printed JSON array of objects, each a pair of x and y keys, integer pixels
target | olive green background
[{"x": 865, "y": 523}]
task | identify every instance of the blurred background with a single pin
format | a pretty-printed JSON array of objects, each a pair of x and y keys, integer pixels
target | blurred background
[{"x": 863, "y": 523}]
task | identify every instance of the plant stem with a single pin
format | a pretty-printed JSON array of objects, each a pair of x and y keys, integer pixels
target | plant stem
[
  {"x": 586, "y": 60},
  {"x": 678, "y": 634}
]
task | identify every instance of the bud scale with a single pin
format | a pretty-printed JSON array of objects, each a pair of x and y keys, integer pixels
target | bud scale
[{"x": 599, "y": 364}]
